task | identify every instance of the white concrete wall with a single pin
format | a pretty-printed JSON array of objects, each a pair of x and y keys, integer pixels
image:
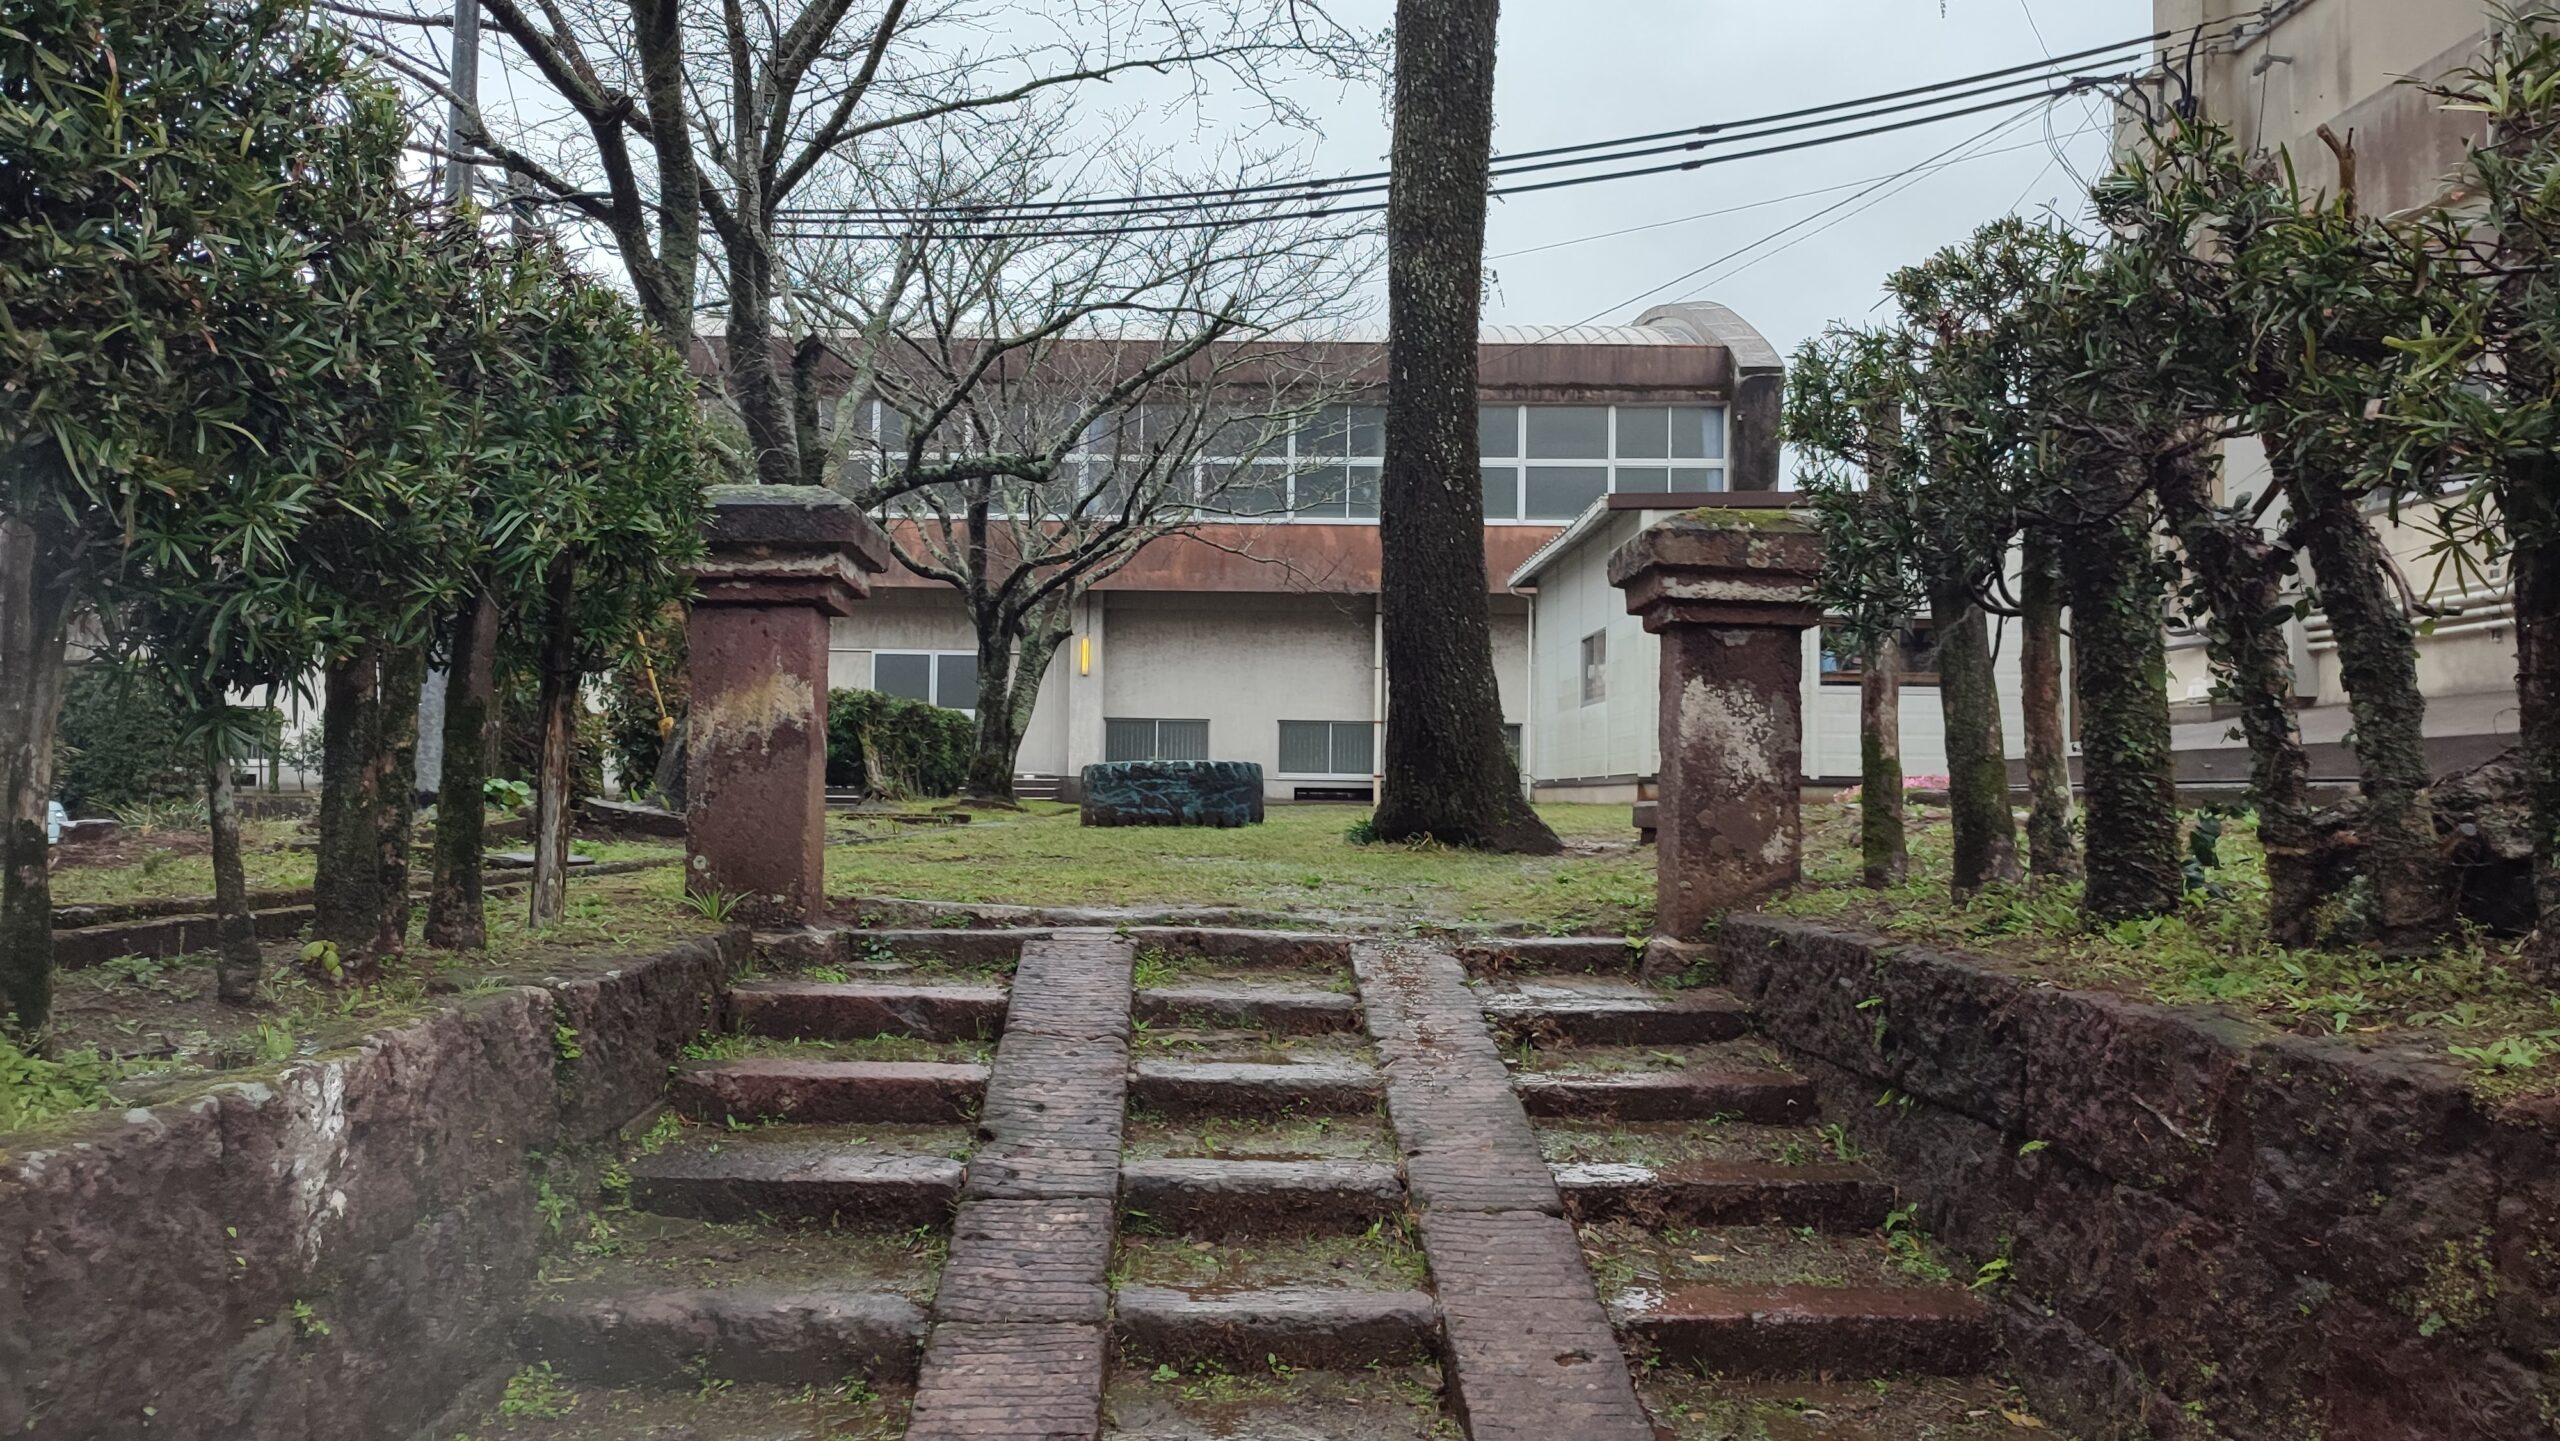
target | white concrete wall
[
  {"x": 1243, "y": 663},
  {"x": 1595, "y": 752}
]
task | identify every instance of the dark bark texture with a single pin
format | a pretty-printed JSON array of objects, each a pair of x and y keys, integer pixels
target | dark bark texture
[
  {"x": 2051, "y": 853},
  {"x": 2111, "y": 579},
  {"x": 2537, "y": 582},
  {"x": 1881, "y": 838},
  {"x": 239, "y": 965},
  {"x": 368, "y": 744},
  {"x": 1012, "y": 663},
  {"x": 1986, "y": 831},
  {"x": 2241, "y": 574},
  {"x": 555, "y": 717},
  {"x": 1447, "y": 774},
  {"x": 34, "y": 621},
  {"x": 456, "y": 919},
  {"x": 2378, "y": 663}
]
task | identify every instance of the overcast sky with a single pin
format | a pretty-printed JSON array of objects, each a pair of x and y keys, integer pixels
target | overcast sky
[{"x": 1576, "y": 70}]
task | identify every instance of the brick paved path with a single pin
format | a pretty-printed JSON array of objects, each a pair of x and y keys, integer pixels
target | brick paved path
[
  {"x": 1018, "y": 1345},
  {"x": 1529, "y": 1350}
]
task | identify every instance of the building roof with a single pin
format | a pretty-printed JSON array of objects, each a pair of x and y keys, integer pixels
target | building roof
[{"x": 1591, "y": 519}]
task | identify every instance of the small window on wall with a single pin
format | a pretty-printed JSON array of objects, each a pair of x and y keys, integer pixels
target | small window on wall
[
  {"x": 1155, "y": 740},
  {"x": 1511, "y": 743},
  {"x": 936, "y": 677},
  {"x": 1595, "y": 667},
  {"x": 1324, "y": 748},
  {"x": 1843, "y": 665}
]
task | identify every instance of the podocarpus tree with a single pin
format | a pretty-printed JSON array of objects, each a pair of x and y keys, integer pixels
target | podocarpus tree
[
  {"x": 149, "y": 145},
  {"x": 2481, "y": 399},
  {"x": 1448, "y": 775},
  {"x": 2261, "y": 311},
  {"x": 1846, "y": 392},
  {"x": 1029, "y": 413}
]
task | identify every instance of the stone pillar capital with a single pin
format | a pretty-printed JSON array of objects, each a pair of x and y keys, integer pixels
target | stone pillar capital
[
  {"x": 1737, "y": 565},
  {"x": 786, "y": 545}
]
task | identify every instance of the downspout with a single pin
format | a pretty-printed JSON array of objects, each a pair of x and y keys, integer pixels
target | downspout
[
  {"x": 1377, "y": 698},
  {"x": 1529, "y": 701}
]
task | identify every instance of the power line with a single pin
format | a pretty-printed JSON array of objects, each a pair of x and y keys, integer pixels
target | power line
[
  {"x": 866, "y": 230},
  {"x": 1309, "y": 191}
]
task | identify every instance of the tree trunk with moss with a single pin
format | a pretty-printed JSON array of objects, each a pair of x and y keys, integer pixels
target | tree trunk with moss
[
  {"x": 368, "y": 755},
  {"x": 239, "y": 965},
  {"x": 456, "y": 912},
  {"x": 2378, "y": 663},
  {"x": 2241, "y": 575},
  {"x": 1986, "y": 830},
  {"x": 1013, "y": 660},
  {"x": 556, "y": 719},
  {"x": 1448, "y": 775},
  {"x": 2119, "y": 664},
  {"x": 2537, "y": 604},
  {"x": 35, "y": 612},
  {"x": 2051, "y": 853},
  {"x": 1882, "y": 839}
]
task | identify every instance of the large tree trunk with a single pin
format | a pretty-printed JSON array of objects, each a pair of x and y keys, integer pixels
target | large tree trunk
[
  {"x": 2537, "y": 592},
  {"x": 456, "y": 918},
  {"x": 2242, "y": 577},
  {"x": 2051, "y": 854},
  {"x": 1882, "y": 843},
  {"x": 1447, "y": 773},
  {"x": 1986, "y": 830},
  {"x": 239, "y": 966},
  {"x": 1010, "y": 673},
  {"x": 368, "y": 758},
  {"x": 2378, "y": 661},
  {"x": 556, "y": 714},
  {"x": 2120, "y": 671},
  {"x": 34, "y": 624}
]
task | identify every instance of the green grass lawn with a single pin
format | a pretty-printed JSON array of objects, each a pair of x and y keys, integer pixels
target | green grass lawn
[
  {"x": 2471, "y": 1002},
  {"x": 1297, "y": 860}
]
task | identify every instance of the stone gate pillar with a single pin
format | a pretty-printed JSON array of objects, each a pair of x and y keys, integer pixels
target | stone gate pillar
[
  {"x": 1730, "y": 592},
  {"x": 784, "y": 561}
]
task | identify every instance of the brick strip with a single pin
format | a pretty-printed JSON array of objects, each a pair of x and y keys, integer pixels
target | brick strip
[
  {"x": 1529, "y": 1354},
  {"x": 1018, "y": 1344}
]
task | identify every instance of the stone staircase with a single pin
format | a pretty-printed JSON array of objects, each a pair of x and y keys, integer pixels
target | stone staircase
[{"x": 1174, "y": 1184}]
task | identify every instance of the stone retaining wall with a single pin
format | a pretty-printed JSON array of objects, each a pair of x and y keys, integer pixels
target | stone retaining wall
[
  {"x": 2215, "y": 1231},
  {"x": 151, "y": 1262}
]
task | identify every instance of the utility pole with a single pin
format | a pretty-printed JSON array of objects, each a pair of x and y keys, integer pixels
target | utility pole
[{"x": 466, "y": 93}]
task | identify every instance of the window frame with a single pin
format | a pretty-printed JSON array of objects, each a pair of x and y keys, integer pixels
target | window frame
[
  {"x": 933, "y": 674},
  {"x": 1681, "y": 475},
  {"x": 1334, "y": 730},
  {"x": 1595, "y": 668},
  {"x": 1155, "y": 737}
]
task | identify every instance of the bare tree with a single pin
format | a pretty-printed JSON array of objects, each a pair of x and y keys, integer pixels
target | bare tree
[
  {"x": 686, "y": 129},
  {"x": 1031, "y": 410}
]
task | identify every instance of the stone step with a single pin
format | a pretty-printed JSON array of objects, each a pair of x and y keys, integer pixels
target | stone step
[
  {"x": 1284, "y": 1010},
  {"x": 850, "y": 945},
  {"x": 1813, "y": 1330},
  {"x": 1211, "y": 1199},
  {"x": 1726, "y": 1193},
  {"x": 1259, "y": 950},
  {"x": 1546, "y": 1015},
  {"x": 1776, "y": 1098},
  {"x": 1295, "y": 1326},
  {"x": 818, "y": 1011},
  {"x": 825, "y": 1092},
  {"x": 783, "y": 1178},
  {"x": 1505, "y": 955},
  {"x": 1226, "y": 1088},
  {"x": 798, "y": 1337}
]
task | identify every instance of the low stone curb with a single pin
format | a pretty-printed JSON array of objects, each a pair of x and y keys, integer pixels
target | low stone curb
[
  {"x": 752, "y": 1177},
  {"x": 1229, "y": 1088},
  {"x": 1212, "y": 1199},
  {"x": 821, "y": 1092},
  {"x": 1771, "y": 1098},
  {"x": 731, "y": 1333},
  {"x": 1850, "y": 1332},
  {"x": 815, "y": 1011}
]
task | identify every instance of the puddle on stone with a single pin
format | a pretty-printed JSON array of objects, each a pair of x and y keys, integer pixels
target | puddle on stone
[{"x": 1210, "y": 1403}]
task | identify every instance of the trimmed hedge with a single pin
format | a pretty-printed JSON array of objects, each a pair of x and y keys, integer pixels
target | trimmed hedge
[{"x": 890, "y": 746}]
